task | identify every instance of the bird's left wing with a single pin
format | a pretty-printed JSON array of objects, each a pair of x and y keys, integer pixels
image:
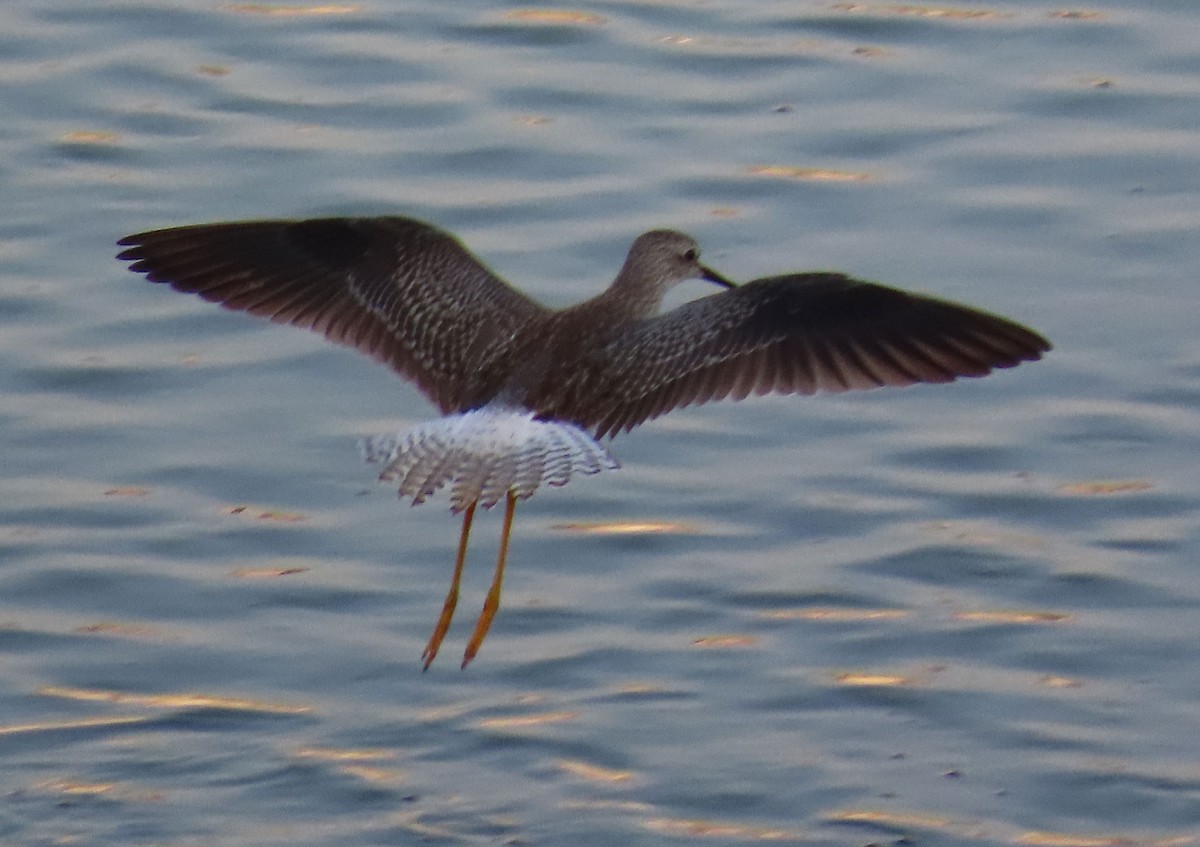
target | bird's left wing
[
  {"x": 402, "y": 291},
  {"x": 793, "y": 334}
]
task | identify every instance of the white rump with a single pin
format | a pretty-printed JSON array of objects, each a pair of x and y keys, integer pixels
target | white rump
[{"x": 485, "y": 453}]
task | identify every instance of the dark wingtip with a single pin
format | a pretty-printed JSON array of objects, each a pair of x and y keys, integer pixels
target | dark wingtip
[
  {"x": 1034, "y": 345},
  {"x": 135, "y": 244}
]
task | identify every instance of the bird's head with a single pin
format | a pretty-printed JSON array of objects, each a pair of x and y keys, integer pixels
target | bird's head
[{"x": 659, "y": 260}]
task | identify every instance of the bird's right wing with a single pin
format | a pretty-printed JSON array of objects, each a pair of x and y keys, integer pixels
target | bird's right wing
[
  {"x": 399, "y": 290},
  {"x": 793, "y": 334}
]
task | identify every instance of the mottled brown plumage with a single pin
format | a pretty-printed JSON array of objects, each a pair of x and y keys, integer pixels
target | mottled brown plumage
[
  {"x": 413, "y": 297},
  {"x": 520, "y": 383}
]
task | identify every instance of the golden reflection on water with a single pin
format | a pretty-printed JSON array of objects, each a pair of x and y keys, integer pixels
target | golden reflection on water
[
  {"x": 122, "y": 630},
  {"x": 1011, "y": 616},
  {"x": 910, "y": 820},
  {"x": 1053, "y": 681},
  {"x": 172, "y": 701},
  {"x": 555, "y": 16},
  {"x": 74, "y": 789},
  {"x": 841, "y": 615},
  {"x": 1063, "y": 839},
  {"x": 336, "y": 754},
  {"x": 628, "y": 528},
  {"x": 872, "y": 679},
  {"x": 725, "y": 642},
  {"x": 264, "y": 514},
  {"x": 64, "y": 786},
  {"x": 642, "y": 688},
  {"x": 828, "y": 613},
  {"x": 79, "y": 723},
  {"x": 921, "y": 11},
  {"x": 85, "y": 136},
  {"x": 127, "y": 491},
  {"x": 594, "y": 773},
  {"x": 684, "y": 827},
  {"x": 358, "y": 763},
  {"x": 266, "y": 573},
  {"x": 519, "y": 721},
  {"x": 273, "y": 10},
  {"x": 987, "y": 831},
  {"x": 1106, "y": 486},
  {"x": 809, "y": 174}
]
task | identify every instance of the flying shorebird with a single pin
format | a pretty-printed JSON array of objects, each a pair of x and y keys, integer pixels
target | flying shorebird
[{"x": 527, "y": 393}]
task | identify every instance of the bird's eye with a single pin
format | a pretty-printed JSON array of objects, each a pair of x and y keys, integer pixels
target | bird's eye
[{"x": 692, "y": 254}]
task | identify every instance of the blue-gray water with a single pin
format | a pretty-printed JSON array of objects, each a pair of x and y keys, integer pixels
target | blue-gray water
[{"x": 952, "y": 614}]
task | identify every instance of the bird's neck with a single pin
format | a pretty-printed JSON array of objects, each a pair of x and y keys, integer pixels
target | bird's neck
[{"x": 624, "y": 302}]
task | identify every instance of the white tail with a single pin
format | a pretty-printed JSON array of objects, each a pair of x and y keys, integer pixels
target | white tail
[{"x": 485, "y": 453}]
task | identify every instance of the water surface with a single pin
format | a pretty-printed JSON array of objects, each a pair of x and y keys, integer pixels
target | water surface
[{"x": 944, "y": 615}]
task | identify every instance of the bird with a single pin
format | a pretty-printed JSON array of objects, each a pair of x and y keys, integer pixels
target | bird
[{"x": 531, "y": 395}]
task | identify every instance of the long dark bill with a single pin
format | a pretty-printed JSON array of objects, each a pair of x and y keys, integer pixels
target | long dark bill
[{"x": 712, "y": 276}]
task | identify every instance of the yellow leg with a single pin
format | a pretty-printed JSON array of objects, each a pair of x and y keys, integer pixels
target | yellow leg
[
  {"x": 443, "y": 624},
  {"x": 493, "y": 596}
]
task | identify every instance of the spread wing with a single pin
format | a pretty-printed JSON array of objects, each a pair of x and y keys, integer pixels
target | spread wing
[
  {"x": 399, "y": 290},
  {"x": 793, "y": 334}
]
